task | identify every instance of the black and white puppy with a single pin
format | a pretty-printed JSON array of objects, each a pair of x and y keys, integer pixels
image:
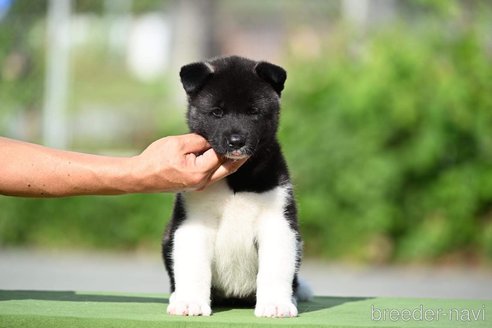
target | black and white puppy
[{"x": 238, "y": 240}]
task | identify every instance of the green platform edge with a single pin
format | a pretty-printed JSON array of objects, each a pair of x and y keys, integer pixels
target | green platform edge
[{"x": 40, "y": 309}]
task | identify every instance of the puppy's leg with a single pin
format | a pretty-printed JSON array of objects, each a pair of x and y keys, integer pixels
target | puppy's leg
[
  {"x": 192, "y": 257},
  {"x": 277, "y": 249}
]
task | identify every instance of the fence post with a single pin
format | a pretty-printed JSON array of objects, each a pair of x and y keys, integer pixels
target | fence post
[{"x": 56, "y": 76}]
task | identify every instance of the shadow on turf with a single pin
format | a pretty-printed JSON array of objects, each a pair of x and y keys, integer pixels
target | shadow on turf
[
  {"x": 70, "y": 296},
  {"x": 326, "y": 302},
  {"x": 316, "y": 304}
]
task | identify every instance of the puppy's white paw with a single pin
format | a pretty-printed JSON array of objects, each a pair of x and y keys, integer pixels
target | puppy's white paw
[
  {"x": 188, "y": 307},
  {"x": 284, "y": 309}
]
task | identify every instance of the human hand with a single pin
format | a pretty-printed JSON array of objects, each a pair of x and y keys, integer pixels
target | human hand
[{"x": 179, "y": 163}]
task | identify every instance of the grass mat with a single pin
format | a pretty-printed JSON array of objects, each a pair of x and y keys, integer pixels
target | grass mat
[{"x": 82, "y": 309}]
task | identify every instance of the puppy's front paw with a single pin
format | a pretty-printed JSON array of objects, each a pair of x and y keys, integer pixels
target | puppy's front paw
[
  {"x": 188, "y": 307},
  {"x": 276, "y": 309}
]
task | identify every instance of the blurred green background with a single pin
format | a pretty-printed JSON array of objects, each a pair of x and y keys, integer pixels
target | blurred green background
[{"x": 386, "y": 116}]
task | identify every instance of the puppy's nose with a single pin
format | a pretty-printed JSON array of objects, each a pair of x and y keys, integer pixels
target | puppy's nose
[{"x": 236, "y": 141}]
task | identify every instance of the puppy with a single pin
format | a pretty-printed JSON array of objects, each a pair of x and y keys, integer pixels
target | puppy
[{"x": 238, "y": 240}]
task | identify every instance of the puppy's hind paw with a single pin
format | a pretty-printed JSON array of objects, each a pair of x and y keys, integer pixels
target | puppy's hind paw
[
  {"x": 188, "y": 308},
  {"x": 276, "y": 310}
]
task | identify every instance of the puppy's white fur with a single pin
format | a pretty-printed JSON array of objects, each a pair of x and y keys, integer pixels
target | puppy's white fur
[{"x": 216, "y": 243}]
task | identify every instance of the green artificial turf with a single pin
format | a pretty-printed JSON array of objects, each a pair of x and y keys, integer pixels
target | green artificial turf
[{"x": 76, "y": 309}]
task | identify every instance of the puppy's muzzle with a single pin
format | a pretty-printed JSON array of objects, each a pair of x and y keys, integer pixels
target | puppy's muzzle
[
  {"x": 235, "y": 142},
  {"x": 236, "y": 146}
]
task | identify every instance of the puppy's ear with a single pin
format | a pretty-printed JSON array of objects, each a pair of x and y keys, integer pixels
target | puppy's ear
[
  {"x": 194, "y": 76},
  {"x": 273, "y": 74}
]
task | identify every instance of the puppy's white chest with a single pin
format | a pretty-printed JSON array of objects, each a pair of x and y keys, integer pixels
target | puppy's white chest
[
  {"x": 235, "y": 260},
  {"x": 236, "y": 228},
  {"x": 235, "y": 221}
]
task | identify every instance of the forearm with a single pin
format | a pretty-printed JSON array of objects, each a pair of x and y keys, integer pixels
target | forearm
[
  {"x": 173, "y": 164},
  {"x": 36, "y": 171}
]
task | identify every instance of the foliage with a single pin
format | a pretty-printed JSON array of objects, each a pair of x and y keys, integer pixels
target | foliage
[
  {"x": 391, "y": 147},
  {"x": 114, "y": 222},
  {"x": 21, "y": 63}
]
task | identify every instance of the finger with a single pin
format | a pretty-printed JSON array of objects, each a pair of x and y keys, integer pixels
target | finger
[
  {"x": 194, "y": 143},
  {"x": 209, "y": 161},
  {"x": 227, "y": 168}
]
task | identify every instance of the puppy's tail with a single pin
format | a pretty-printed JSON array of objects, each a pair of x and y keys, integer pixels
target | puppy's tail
[{"x": 303, "y": 292}]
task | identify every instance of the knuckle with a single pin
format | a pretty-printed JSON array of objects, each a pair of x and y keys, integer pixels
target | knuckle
[
  {"x": 173, "y": 143},
  {"x": 198, "y": 178}
]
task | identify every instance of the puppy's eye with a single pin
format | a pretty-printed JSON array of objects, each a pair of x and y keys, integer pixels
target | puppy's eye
[
  {"x": 254, "y": 111},
  {"x": 217, "y": 112}
]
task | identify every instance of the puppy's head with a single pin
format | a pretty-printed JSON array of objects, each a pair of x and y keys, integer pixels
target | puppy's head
[{"x": 234, "y": 103}]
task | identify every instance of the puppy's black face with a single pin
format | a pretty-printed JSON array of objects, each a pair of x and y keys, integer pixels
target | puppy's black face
[{"x": 234, "y": 103}]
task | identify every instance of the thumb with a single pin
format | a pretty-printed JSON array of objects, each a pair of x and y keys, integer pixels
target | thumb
[{"x": 194, "y": 143}]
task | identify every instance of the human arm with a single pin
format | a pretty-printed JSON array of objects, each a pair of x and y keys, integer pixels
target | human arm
[{"x": 168, "y": 164}]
